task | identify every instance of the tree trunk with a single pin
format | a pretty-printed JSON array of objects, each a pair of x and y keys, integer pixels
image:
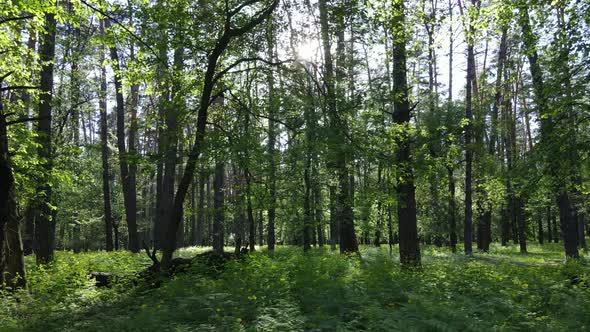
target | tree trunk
[
  {"x": 129, "y": 190},
  {"x": 406, "y": 210},
  {"x": 271, "y": 143},
  {"x": 337, "y": 142},
  {"x": 467, "y": 225},
  {"x": 12, "y": 264},
  {"x": 569, "y": 226},
  {"x": 45, "y": 226},
  {"x": 106, "y": 177}
]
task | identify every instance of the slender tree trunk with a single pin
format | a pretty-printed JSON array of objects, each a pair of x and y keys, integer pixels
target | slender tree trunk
[
  {"x": 271, "y": 143},
  {"x": 106, "y": 177},
  {"x": 45, "y": 226},
  {"x": 129, "y": 193}
]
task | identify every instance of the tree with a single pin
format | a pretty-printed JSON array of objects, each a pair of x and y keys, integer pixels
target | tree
[{"x": 211, "y": 77}]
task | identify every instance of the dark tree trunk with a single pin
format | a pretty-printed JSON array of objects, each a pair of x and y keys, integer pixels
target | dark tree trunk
[
  {"x": 106, "y": 177},
  {"x": 406, "y": 208},
  {"x": 45, "y": 226},
  {"x": 170, "y": 148},
  {"x": 569, "y": 226},
  {"x": 219, "y": 207},
  {"x": 127, "y": 179},
  {"x": 467, "y": 225},
  {"x": 12, "y": 264},
  {"x": 29, "y": 231}
]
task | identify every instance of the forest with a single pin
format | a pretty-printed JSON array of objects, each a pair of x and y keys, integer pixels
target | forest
[{"x": 294, "y": 165}]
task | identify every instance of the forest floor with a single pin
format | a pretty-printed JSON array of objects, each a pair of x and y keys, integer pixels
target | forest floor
[{"x": 321, "y": 291}]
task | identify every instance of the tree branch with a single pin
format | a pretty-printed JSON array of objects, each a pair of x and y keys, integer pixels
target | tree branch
[
  {"x": 25, "y": 119},
  {"x": 19, "y": 87},
  {"x": 9, "y": 19},
  {"x": 110, "y": 17}
]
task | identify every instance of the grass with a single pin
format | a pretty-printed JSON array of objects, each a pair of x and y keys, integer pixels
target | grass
[{"x": 320, "y": 291}]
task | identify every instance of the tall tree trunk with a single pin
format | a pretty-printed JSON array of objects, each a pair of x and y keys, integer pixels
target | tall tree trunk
[
  {"x": 406, "y": 210},
  {"x": 106, "y": 177},
  {"x": 271, "y": 143},
  {"x": 129, "y": 191},
  {"x": 343, "y": 203},
  {"x": 12, "y": 264},
  {"x": 45, "y": 226}
]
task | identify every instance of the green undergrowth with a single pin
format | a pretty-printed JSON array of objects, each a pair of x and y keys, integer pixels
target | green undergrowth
[{"x": 320, "y": 291}]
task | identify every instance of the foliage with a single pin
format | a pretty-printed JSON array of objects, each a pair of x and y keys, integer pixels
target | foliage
[{"x": 318, "y": 291}]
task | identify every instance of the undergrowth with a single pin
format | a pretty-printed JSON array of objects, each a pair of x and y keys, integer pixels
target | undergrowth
[{"x": 320, "y": 291}]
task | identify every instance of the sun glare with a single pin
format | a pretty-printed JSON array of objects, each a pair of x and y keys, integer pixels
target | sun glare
[{"x": 308, "y": 50}]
